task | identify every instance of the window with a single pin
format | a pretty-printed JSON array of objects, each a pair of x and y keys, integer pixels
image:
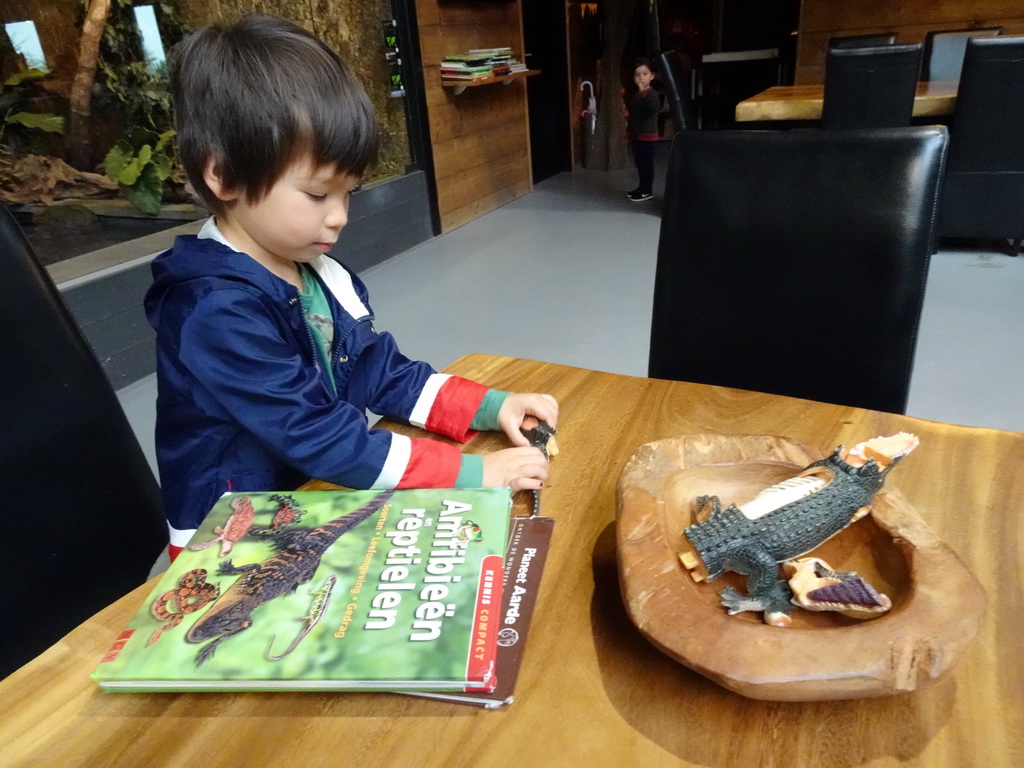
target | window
[
  {"x": 149, "y": 33},
  {"x": 25, "y": 40}
]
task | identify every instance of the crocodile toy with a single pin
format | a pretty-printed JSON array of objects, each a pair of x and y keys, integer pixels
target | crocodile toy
[
  {"x": 788, "y": 520},
  {"x": 295, "y": 563},
  {"x": 541, "y": 435}
]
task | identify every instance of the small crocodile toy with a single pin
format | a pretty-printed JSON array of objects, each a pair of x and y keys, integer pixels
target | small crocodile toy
[
  {"x": 788, "y": 520},
  {"x": 541, "y": 435}
]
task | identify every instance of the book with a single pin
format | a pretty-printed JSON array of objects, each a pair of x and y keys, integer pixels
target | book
[
  {"x": 458, "y": 67},
  {"x": 470, "y": 78},
  {"x": 325, "y": 591},
  {"x": 527, "y": 552},
  {"x": 467, "y": 59}
]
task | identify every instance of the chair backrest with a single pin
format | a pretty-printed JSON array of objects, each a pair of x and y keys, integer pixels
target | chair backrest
[
  {"x": 870, "y": 87},
  {"x": 674, "y": 70},
  {"x": 83, "y": 522},
  {"x": 944, "y": 51},
  {"x": 862, "y": 41},
  {"x": 984, "y": 190},
  {"x": 794, "y": 262}
]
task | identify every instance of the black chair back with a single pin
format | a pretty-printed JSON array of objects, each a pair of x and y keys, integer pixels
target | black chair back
[
  {"x": 862, "y": 41},
  {"x": 674, "y": 71},
  {"x": 870, "y": 87},
  {"x": 794, "y": 262},
  {"x": 83, "y": 521},
  {"x": 944, "y": 51},
  {"x": 984, "y": 189}
]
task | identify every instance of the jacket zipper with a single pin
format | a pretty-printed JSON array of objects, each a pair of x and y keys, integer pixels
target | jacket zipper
[
  {"x": 338, "y": 340},
  {"x": 296, "y": 302}
]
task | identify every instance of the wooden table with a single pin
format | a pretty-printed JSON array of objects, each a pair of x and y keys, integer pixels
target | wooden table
[
  {"x": 592, "y": 691},
  {"x": 804, "y": 102}
]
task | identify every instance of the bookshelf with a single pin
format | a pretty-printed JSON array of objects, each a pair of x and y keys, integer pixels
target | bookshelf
[
  {"x": 473, "y": 172},
  {"x": 459, "y": 87}
]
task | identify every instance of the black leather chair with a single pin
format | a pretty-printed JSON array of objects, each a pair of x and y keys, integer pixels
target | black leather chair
[
  {"x": 794, "y": 262},
  {"x": 984, "y": 188},
  {"x": 674, "y": 70},
  {"x": 862, "y": 41},
  {"x": 82, "y": 522},
  {"x": 870, "y": 87},
  {"x": 944, "y": 51}
]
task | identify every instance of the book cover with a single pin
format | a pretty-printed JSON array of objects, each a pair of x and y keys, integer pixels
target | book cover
[
  {"x": 460, "y": 67},
  {"x": 469, "y": 59},
  {"x": 325, "y": 590},
  {"x": 529, "y": 538}
]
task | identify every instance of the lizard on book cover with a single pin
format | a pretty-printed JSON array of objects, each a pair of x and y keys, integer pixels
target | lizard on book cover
[
  {"x": 321, "y": 599},
  {"x": 295, "y": 562}
]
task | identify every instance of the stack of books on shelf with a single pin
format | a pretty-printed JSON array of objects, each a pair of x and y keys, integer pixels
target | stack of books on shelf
[
  {"x": 480, "y": 64},
  {"x": 463, "y": 67},
  {"x": 425, "y": 592}
]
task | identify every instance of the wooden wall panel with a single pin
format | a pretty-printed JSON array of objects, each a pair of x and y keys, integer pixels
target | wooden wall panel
[
  {"x": 910, "y": 19},
  {"x": 480, "y": 138}
]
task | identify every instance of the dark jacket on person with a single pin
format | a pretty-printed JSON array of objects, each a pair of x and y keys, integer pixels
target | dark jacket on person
[
  {"x": 244, "y": 403},
  {"x": 642, "y": 123}
]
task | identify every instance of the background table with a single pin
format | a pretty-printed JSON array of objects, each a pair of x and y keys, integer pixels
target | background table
[
  {"x": 804, "y": 102},
  {"x": 592, "y": 691}
]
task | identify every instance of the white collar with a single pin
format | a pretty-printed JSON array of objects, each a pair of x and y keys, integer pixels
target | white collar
[
  {"x": 211, "y": 231},
  {"x": 335, "y": 276}
]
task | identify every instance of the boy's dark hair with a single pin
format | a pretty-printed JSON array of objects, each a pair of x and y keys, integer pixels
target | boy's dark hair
[
  {"x": 643, "y": 61},
  {"x": 259, "y": 94}
]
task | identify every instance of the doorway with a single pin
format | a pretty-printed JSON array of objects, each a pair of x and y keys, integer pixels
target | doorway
[{"x": 547, "y": 94}]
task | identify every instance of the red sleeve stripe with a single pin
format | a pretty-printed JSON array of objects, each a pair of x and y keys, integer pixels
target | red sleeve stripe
[
  {"x": 456, "y": 404},
  {"x": 433, "y": 464}
]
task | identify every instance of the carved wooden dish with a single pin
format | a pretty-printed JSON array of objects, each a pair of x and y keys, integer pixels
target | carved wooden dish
[{"x": 937, "y": 604}]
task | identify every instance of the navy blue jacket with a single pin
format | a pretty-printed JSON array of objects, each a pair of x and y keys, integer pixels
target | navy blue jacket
[{"x": 243, "y": 403}]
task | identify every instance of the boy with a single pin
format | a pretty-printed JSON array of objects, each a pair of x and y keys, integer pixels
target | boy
[
  {"x": 642, "y": 127},
  {"x": 266, "y": 352}
]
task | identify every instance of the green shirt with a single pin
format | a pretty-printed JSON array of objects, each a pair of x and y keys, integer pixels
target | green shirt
[{"x": 318, "y": 318}]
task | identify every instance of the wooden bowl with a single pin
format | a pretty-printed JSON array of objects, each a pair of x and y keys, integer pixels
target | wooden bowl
[{"x": 937, "y": 604}]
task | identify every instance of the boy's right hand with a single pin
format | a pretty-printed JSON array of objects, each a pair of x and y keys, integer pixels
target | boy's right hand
[{"x": 519, "y": 468}]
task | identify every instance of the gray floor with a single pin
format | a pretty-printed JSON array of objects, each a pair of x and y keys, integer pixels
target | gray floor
[{"x": 565, "y": 274}]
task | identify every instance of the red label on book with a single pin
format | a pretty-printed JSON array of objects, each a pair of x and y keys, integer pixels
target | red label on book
[
  {"x": 486, "y": 621},
  {"x": 115, "y": 649}
]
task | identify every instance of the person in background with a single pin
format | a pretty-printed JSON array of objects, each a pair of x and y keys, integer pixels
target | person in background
[
  {"x": 267, "y": 357},
  {"x": 642, "y": 128}
]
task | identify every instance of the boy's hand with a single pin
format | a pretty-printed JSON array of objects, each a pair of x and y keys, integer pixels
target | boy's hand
[
  {"x": 518, "y": 406},
  {"x": 520, "y": 469}
]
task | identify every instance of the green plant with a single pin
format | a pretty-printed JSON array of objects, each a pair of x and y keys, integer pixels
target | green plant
[
  {"x": 141, "y": 175},
  {"x": 134, "y": 87},
  {"x": 16, "y": 96},
  {"x": 136, "y": 102}
]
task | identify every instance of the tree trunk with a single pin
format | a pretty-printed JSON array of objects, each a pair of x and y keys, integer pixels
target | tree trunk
[
  {"x": 80, "y": 101},
  {"x": 608, "y": 149}
]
